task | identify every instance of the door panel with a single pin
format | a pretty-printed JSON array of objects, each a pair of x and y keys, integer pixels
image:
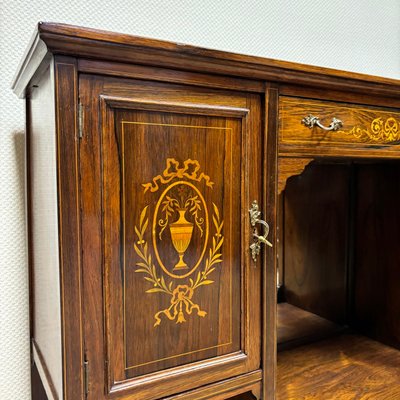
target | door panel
[
  {"x": 178, "y": 284},
  {"x": 178, "y": 209}
]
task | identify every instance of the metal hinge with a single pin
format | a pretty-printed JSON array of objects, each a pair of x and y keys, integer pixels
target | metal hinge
[
  {"x": 86, "y": 377},
  {"x": 80, "y": 121}
]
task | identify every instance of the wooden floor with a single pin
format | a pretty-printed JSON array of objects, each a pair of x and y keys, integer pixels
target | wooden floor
[{"x": 347, "y": 367}]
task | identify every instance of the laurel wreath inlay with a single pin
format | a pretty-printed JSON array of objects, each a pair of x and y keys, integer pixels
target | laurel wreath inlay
[{"x": 181, "y": 296}]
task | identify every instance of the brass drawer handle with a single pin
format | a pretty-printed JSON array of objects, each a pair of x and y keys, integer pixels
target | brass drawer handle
[
  {"x": 311, "y": 121},
  {"x": 255, "y": 247}
]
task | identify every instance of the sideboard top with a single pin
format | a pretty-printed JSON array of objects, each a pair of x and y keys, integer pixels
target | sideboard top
[{"x": 54, "y": 38}]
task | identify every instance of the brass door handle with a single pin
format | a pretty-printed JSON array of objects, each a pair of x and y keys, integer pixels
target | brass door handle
[
  {"x": 310, "y": 121},
  {"x": 255, "y": 247}
]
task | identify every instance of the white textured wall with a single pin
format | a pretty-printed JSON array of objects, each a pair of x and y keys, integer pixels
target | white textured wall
[{"x": 359, "y": 35}]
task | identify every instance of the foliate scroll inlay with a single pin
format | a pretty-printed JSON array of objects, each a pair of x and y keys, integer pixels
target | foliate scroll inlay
[
  {"x": 180, "y": 211},
  {"x": 380, "y": 130}
]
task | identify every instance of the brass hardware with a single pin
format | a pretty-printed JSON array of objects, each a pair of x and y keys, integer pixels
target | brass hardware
[
  {"x": 310, "y": 121},
  {"x": 255, "y": 247}
]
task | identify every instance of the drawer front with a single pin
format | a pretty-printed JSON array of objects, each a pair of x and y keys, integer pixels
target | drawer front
[{"x": 363, "y": 129}]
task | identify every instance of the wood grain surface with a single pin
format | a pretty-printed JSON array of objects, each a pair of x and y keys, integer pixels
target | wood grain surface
[
  {"x": 66, "y": 83},
  {"x": 157, "y": 343},
  {"x": 174, "y": 94},
  {"x": 346, "y": 367},
  {"x": 288, "y": 167},
  {"x": 315, "y": 237},
  {"x": 269, "y": 256},
  {"x": 364, "y": 129},
  {"x": 96, "y": 44},
  {"x": 377, "y": 258},
  {"x": 296, "y": 326}
]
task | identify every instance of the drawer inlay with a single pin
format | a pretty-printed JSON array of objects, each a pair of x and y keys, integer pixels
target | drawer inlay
[
  {"x": 364, "y": 131},
  {"x": 380, "y": 130}
]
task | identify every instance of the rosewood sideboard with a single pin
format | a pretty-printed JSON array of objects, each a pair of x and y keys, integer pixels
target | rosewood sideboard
[{"x": 208, "y": 225}]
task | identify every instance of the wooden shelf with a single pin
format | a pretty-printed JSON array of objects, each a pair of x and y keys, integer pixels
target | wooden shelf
[
  {"x": 297, "y": 327},
  {"x": 346, "y": 367}
]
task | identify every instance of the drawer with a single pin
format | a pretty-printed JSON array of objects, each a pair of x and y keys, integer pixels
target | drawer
[{"x": 362, "y": 130}]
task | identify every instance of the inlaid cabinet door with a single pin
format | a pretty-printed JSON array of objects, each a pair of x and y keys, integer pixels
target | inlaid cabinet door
[{"x": 172, "y": 295}]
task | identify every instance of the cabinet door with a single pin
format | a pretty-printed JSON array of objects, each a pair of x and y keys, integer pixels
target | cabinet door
[{"x": 172, "y": 296}]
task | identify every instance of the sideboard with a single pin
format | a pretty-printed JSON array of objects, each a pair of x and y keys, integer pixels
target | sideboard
[{"x": 208, "y": 225}]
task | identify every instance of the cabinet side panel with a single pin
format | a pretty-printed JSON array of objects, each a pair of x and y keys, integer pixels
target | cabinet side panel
[
  {"x": 44, "y": 235},
  {"x": 66, "y": 93}
]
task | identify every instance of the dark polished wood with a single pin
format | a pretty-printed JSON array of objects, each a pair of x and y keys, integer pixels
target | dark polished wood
[
  {"x": 377, "y": 258},
  {"x": 153, "y": 155},
  {"x": 243, "y": 387},
  {"x": 365, "y": 131},
  {"x": 58, "y": 38},
  {"x": 66, "y": 83},
  {"x": 169, "y": 75},
  {"x": 201, "y": 143},
  {"x": 269, "y": 291},
  {"x": 316, "y": 229},
  {"x": 337, "y": 95},
  {"x": 346, "y": 367},
  {"x": 288, "y": 167},
  {"x": 296, "y": 326},
  {"x": 38, "y": 392}
]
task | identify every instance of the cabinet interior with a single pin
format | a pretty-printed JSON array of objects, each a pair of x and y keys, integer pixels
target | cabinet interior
[{"x": 338, "y": 265}]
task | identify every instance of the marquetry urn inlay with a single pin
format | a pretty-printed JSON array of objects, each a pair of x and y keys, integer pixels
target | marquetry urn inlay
[{"x": 180, "y": 209}]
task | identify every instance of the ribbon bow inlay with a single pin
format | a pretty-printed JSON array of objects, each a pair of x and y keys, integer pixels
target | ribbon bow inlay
[
  {"x": 180, "y": 302},
  {"x": 189, "y": 170}
]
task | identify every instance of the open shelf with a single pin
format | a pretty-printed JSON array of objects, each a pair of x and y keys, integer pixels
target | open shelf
[
  {"x": 297, "y": 326},
  {"x": 338, "y": 226},
  {"x": 348, "y": 366}
]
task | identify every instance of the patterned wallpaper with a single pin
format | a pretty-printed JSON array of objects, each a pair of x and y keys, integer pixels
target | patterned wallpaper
[{"x": 363, "y": 36}]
